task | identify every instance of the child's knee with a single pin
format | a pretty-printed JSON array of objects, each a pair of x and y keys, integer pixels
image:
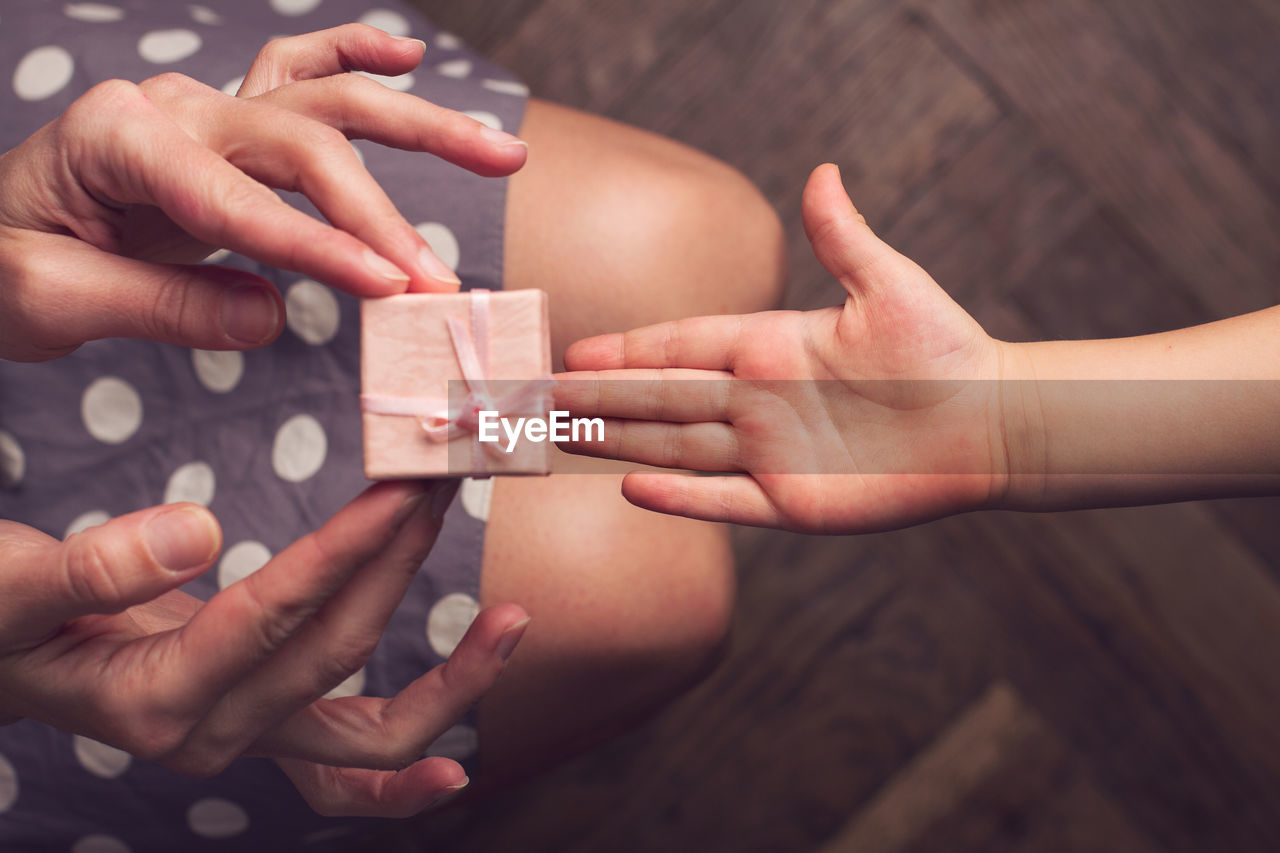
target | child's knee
[
  {"x": 625, "y": 228},
  {"x": 629, "y": 610}
]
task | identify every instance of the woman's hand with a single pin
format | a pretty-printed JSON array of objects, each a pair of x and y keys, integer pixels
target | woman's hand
[
  {"x": 95, "y": 639},
  {"x": 873, "y": 415},
  {"x": 104, "y": 212}
]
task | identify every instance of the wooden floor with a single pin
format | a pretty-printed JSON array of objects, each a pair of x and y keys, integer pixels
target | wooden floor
[{"x": 1092, "y": 681}]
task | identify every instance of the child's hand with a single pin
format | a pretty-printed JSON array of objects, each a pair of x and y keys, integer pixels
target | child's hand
[{"x": 863, "y": 417}]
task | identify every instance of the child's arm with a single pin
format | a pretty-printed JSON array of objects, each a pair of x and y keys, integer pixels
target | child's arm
[{"x": 897, "y": 407}]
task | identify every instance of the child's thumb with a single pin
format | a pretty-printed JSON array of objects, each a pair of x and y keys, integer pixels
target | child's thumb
[{"x": 841, "y": 239}]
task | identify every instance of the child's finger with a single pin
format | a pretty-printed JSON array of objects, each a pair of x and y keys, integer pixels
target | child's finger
[
  {"x": 734, "y": 499},
  {"x": 697, "y": 446},
  {"x": 841, "y": 240},
  {"x": 672, "y": 395},
  {"x": 705, "y": 343}
]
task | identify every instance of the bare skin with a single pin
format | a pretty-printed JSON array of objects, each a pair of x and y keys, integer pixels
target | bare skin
[
  {"x": 619, "y": 226},
  {"x": 914, "y": 411}
]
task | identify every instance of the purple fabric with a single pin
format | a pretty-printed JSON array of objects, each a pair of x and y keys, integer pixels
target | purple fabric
[{"x": 271, "y": 440}]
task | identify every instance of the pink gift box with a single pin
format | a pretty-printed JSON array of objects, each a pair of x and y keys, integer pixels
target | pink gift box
[{"x": 410, "y": 354}]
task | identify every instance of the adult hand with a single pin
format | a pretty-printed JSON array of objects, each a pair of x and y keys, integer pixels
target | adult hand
[
  {"x": 104, "y": 211},
  {"x": 95, "y": 639},
  {"x": 873, "y": 415}
]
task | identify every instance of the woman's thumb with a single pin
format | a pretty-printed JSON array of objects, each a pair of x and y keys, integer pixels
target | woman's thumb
[{"x": 129, "y": 560}]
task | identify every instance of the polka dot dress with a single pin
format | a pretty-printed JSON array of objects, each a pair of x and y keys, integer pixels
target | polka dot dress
[{"x": 269, "y": 440}]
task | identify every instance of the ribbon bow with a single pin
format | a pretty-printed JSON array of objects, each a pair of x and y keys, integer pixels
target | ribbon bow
[{"x": 443, "y": 423}]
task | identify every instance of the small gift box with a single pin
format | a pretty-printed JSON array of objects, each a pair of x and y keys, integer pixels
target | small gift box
[{"x": 437, "y": 372}]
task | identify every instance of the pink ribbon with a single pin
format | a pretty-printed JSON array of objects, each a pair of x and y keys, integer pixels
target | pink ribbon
[{"x": 443, "y": 423}]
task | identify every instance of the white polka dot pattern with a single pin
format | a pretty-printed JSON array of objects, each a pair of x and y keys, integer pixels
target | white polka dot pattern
[
  {"x": 204, "y": 15},
  {"x": 111, "y": 409},
  {"x": 215, "y": 818},
  {"x": 293, "y": 8},
  {"x": 506, "y": 87},
  {"x": 89, "y": 519},
  {"x": 484, "y": 118},
  {"x": 476, "y": 496},
  {"x": 448, "y": 41},
  {"x": 192, "y": 482},
  {"x": 100, "y": 844},
  {"x": 386, "y": 20},
  {"x": 13, "y": 462},
  {"x": 165, "y": 46},
  {"x": 449, "y": 619},
  {"x": 99, "y": 758},
  {"x": 219, "y": 371},
  {"x": 240, "y": 561},
  {"x": 299, "y": 449},
  {"x": 442, "y": 241},
  {"x": 42, "y": 73},
  {"x": 312, "y": 312},
  {"x": 8, "y": 785},
  {"x": 352, "y": 685},
  {"x": 93, "y": 13},
  {"x": 456, "y": 68}
]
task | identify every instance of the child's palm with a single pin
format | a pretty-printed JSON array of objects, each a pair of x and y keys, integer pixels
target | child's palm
[{"x": 847, "y": 419}]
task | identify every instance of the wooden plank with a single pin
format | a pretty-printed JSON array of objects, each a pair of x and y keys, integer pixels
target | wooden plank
[
  {"x": 595, "y": 61},
  {"x": 1078, "y": 817},
  {"x": 1253, "y": 521},
  {"x": 996, "y": 731},
  {"x": 1100, "y": 282},
  {"x": 993, "y": 215},
  {"x": 483, "y": 24},
  {"x": 1219, "y": 61},
  {"x": 870, "y": 90},
  {"x": 1102, "y": 656},
  {"x": 1180, "y": 189}
]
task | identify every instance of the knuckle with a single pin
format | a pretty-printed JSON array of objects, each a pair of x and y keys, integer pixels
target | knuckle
[
  {"x": 105, "y": 109},
  {"x": 170, "y": 84},
  {"x": 108, "y": 96},
  {"x": 320, "y": 143},
  {"x": 339, "y": 662},
  {"x": 275, "y": 619},
  {"x": 89, "y": 573},
  {"x": 154, "y": 736},
  {"x": 169, "y": 313},
  {"x": 277, "y": 51}
]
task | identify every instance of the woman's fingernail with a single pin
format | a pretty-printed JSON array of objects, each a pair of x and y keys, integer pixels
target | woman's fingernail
[
  {"x": 501, "y": 137},
  {"x": 181, "y": 539},
  {"x": 384, "y": 267},
  {"x": 411, "y": 503},
  {"x": 414, "y": 41},
  {"x": 442, "y": 497},
  {"x": 437, "y": 268},
  {"x": 449, "y": 791},
  {"x": 249, "y": 315},
  {"x": 510, "y": 638}
]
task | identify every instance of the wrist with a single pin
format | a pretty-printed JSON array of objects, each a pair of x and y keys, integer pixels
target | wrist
[{"x": 1018, "y": 477}]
